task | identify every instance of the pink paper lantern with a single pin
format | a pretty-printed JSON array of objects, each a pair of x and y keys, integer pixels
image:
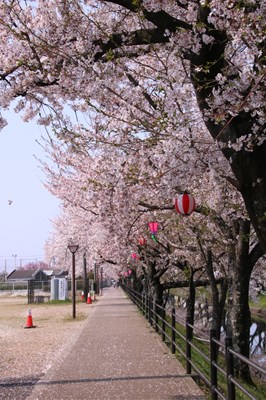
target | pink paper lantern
[
  {"x": 134, "y": 256},
  {"x": 142, "y": 241},
  {"x": 153, "y": 227}
]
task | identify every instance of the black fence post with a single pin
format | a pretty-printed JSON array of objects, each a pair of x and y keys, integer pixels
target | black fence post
[
  {"x": 231, "y": 393},
  {"x": 30, "y": 292},
  {"x": 156, "y": 318},
  {"x": 143, "y": 303},
  {"x": 188, "y": 346},
  {"x": 132, "y": 295},
  {"x": 139, "y": 299},
  {"x": 163, "y": 324},
  {"x": 147, "y": 307},
  {"x": 173, "y": 332},
  {"x": 213, "y": 355},
  {"x": 149, "y": 310},
  {"x": 152, "y": 313}
]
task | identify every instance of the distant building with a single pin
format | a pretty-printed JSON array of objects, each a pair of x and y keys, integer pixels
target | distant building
[
  {"x": 22, "y": 275},
  {"x": 39, "y": 279}
]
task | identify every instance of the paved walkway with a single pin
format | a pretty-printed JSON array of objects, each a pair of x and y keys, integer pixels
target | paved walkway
[{"x": 117, "y": 356}]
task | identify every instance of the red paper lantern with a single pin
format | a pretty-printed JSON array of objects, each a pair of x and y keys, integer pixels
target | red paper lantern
[
  {"x": 142, "y": 241},
  {"x": 153, "y": 227},
  {"x": 134, "y": 256},
  {"x": 185, "y": 204}
]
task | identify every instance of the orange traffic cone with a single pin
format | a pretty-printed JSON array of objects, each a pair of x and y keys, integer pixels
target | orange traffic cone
[
  {"x": 82, "y": 296},
  {"x": 89, "y": 299},
  {"x": 29, "y": 323}
]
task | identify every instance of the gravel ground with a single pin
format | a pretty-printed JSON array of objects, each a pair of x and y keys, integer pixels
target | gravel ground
[{"x": 27, "y": 354}]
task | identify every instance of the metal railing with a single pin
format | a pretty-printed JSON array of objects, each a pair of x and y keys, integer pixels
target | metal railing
[{"x": 205, "y": 357}]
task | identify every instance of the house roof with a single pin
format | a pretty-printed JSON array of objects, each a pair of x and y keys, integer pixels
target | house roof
[
  {"x": 22, "y": 274},
  {"x": 55, "y": 272}
]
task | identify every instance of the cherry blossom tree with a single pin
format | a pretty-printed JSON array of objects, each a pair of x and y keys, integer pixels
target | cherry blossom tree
[
  {"x": 34, "y": 266},
  {"x": 210, "y": 52},
  {"x": 166, "y": 97},
  {"x": 105, "y": 191}
]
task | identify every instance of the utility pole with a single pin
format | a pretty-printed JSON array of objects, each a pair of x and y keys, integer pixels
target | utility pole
[{"x": 15, "y": 260}]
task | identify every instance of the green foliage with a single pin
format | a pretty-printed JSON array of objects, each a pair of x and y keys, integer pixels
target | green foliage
[
  {"x": 90, "y": 275},
  {"x": 261, "y": 303},
  {"x": 136, "y": 3},
  {"x": 200, "y": 355},
  {"x": 58, "y": 302},
  {"x": 4, "y": 287},
  {"x": 109, "y": 55}
]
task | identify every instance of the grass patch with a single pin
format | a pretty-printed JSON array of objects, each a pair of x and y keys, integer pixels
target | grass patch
[
  {"x": 200, "y": 358},
  {"x": 79, "y": 317},
  {"x": 261, "y": 303},
  {"x": 57, "y": 302}
]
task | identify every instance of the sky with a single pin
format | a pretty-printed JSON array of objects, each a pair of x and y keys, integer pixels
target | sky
[{"x": 26, "y": 206}]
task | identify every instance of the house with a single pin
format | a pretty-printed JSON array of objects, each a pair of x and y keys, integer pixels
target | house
[
  {"x": 24, "y": 275},
  {"x": 38, "y": 275}
]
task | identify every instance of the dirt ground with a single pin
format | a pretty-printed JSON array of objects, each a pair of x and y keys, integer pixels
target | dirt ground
[{"x": 28, "y": 353}]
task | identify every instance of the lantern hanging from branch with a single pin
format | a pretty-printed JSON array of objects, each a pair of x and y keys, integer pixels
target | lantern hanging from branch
[
  {"x": 185, "y": 204},
  {"x": 142, "y": 241},
  {"x": 154, "y": 229},
  {"x": 134, "y": 256}
]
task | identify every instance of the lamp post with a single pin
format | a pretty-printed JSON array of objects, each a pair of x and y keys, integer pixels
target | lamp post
[
  {"x": 86, "y": 279},
  {"x": 73, "y": 249}
]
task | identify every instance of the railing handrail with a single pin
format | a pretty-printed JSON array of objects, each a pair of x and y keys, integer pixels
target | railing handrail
[{"x": 156, "y": 315}]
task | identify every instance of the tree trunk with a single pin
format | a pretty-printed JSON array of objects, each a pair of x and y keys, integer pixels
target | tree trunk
[
  {"x": 218, "y": 299},
  {"x": 157, "y": 291},
  {"x": 247, "y": 167},
  {"x": 191, "y": 299},
  {"x": 240, "y": 313},
  {"x": 241, "y": 321},
  {"x": 246, "y": 163}
]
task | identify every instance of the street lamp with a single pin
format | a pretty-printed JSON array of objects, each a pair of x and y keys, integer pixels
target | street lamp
[{"x": 73, "y": 249}]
